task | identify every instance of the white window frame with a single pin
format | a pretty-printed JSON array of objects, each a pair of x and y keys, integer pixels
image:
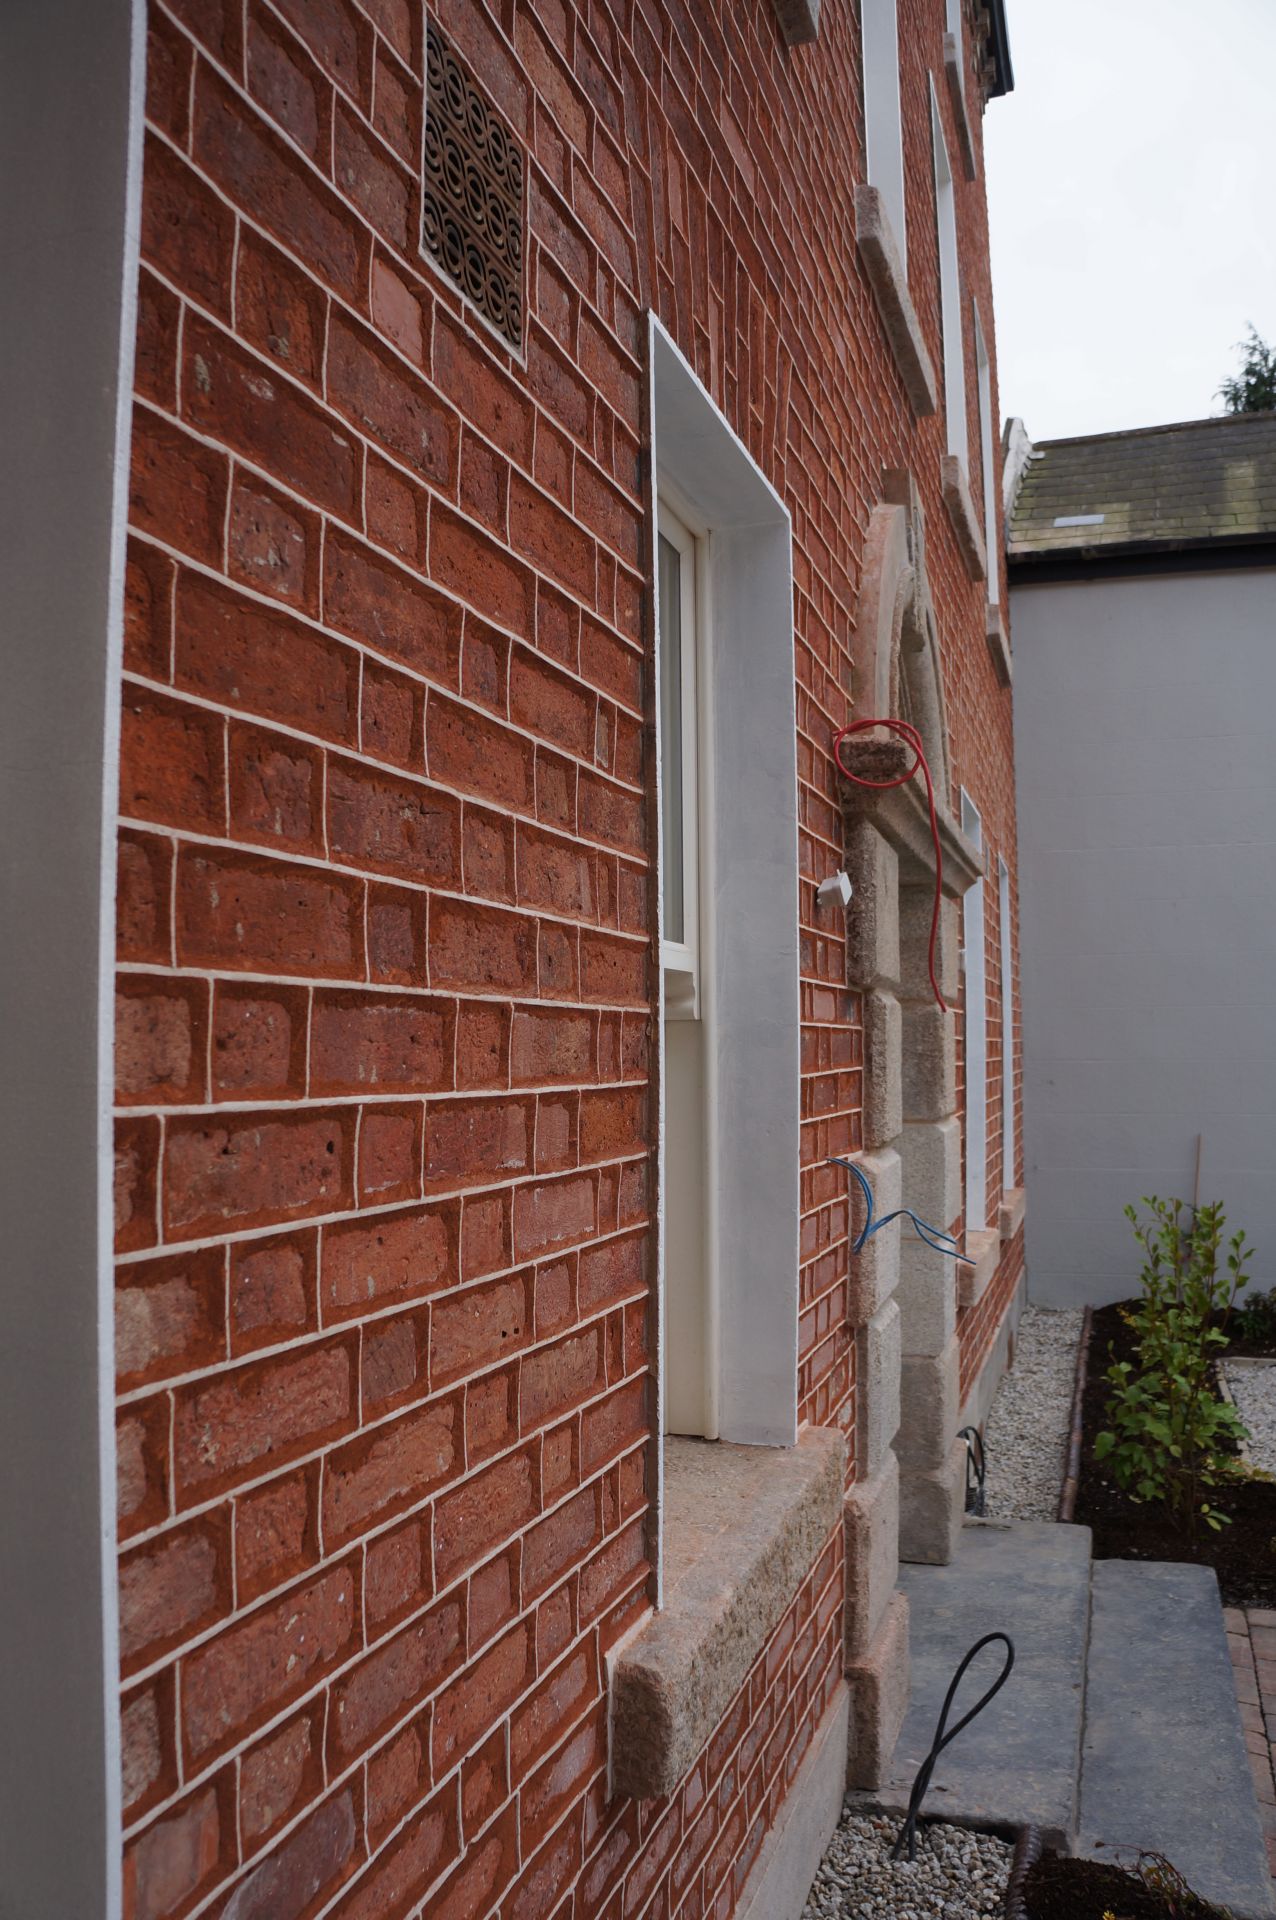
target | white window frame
[
  {"x": 680, "y": 959},
  {"x": 976, "y": 996},
  {"x": 1007, "y": 1031},
  {"x": 883, "y": 121},
  {"x": 950, "y": 304},
  {"x": 987, "y": 455}
]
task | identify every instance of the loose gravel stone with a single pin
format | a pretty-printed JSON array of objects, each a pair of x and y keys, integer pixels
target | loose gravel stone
[
  {"x": 1026, "y": 1433},
  {"x": 1252, "y": 1385},
  {"x": 957, "y": 1875}
]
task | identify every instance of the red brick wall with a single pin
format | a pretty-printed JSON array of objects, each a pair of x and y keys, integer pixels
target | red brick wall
[{"x": 385, "y": 918}]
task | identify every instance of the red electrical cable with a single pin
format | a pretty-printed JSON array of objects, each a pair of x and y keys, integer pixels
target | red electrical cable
[{"x": 912, "y": 739}]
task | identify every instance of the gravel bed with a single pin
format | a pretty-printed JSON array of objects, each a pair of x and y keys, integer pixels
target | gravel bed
[
  {"x": 1026, "y": 1432},
  {"x": 957, "y": 1875},
  {"x": 1253, "y": 1387}
]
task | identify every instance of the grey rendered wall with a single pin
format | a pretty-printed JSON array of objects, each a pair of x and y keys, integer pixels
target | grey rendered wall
[
  {"x": 70, "y": 79},
  {"x": 1145, "y": 742}
]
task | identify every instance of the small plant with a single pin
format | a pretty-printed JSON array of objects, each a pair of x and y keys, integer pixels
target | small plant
[
  {"x": 1170, "y": 1438},
  {"x": 1253, "y": 389},
  {"x": 1256, "y": 1319}
]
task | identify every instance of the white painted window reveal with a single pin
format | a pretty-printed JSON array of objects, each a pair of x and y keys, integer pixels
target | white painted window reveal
[
  {"x": 972, "y": 914},
  {"x": 949, "y": 292},
  {"x": 987, "y": 457},
  {"x": 1007, "y": 1030},
  {"x": 883, "y": 128}
]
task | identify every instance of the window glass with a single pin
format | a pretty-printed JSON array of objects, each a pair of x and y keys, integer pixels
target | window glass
[{"x": 671, "y": 731}]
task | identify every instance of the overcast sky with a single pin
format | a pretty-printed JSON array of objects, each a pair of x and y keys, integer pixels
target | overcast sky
[{"x": 1132, "y": 189}]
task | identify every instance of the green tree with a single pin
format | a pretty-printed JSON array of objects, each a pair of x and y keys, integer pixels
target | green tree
[{"x": 1253, "y": 389}]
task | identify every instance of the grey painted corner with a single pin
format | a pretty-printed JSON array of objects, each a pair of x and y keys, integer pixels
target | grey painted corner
[{"x": 70, "y": 148}]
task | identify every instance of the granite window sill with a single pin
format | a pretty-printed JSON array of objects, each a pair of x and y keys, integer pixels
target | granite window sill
[
  {"x": 743, "y": 1527},
  {"x": 889, "y": 281}
]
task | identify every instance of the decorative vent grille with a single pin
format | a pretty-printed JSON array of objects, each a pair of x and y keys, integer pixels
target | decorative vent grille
[{"x": 472, "y": 204}]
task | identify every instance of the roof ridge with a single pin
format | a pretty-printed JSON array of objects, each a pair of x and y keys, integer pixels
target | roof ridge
[{"x": 1167, "y": 426}]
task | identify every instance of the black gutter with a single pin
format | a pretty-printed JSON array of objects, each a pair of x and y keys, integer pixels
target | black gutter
[
  {"x": 1139, "y": 560},
  {"x": 999, "y": 46}
]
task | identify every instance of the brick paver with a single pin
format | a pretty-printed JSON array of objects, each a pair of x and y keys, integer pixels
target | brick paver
[{"x": 1251, "y": 1641}]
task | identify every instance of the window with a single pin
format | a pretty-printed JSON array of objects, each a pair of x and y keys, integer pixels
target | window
[
  {"x": 987, "y": 457},
  {"x": 949, "y": 293},
  {"x": 726, "y": 750},
  {"x": 972, "y": 915},
  {"x": 883, "y": 132},
  {"x": 1007, "y": 1031}
]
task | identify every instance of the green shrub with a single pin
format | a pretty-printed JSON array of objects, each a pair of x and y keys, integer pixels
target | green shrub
[
  {"x": 1169, "y": 1437},
  {"x": 1256, "y": 1320}
]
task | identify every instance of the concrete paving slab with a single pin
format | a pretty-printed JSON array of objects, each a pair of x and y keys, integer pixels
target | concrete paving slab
[
  {"x": 1018, "y": 1762},
  {"x": 1164, "y": 1766}
]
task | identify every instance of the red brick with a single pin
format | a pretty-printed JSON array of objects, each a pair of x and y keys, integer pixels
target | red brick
[
  {"x": 493, "y": 1596},
  {"x": 260, "y": 1664},
  {"x": 426, "y": 1847},
  {"x": 397, "y": 104},
  {"x": 394, "y": 18},
  {"x": 178, "y": 487},
  {"x": 479, "y": 1328},
  {"x": 172, "y": 1587},
  {"x": 390, "y": 610},
  {"x": 396, "y": 923},
  {"x": 161, "y": 1037},
  {"x": 245, "y": 403},
  {"x": 385, "y": 1685},
  {"x": 483, "y": 484},
  {"x": 479, "y": 571},
  {"x": 614, "y": 1571},
  {"x": 390, "y": 825},
  {"x": 547, "y": 1794},
  {"x": 380, "y": 397},
  {"x": 562, "y": 1699},
  {"x": 558, "y": 874},
  {"x": 392, "y": 716},
  {"x": 486, "y": 1869},
  {"x": 559, "y": 1542},
  {"x": 263, "y": 661},
  {"x": 278, "y": 310},
  {"x": 485, "y": 1234},
  {"x": 613, "y": 1123},
  {"x": 398, "y": 1778},
  {"x": 476, "y": 1517},
  {"x": 259, "y": 1041},
  {"x": 475, "y": 1142},
  {"x": 487, "y": 852},
  {"x": 187, "y": 232},
  {"x": 272, "y": 1289},
  {"x": 168, "y": 77},
  {"x": 255, "y": 1170},
  {"x": 394, "y": 1368},
  {"x": 618, "y": 1422},
  {"x": 550, "y": 1046},
  {"x": 548, "y": 1877},
  {"x": 180, "y": 1855},
  {"x": 557, "y": 1378},
  {"x": 550, "y": 1213},
  {"x": 397, "y": 1257},
  {"x": 396, "y": 1575},
  {"x": 276, "y": 1533},
  {"x": 172, "y": 762},
  {"x": 550, "y": 704},
  {"x": 136, "y": 1156},
  {"x": 148, "y": 611},
  {"x": 288, "y": 86},
  {"x": 467, "y": 373},
  {"x": 482, "y": 1045},
  {"x": 555, "y": 790},
  {"x": 148, "y": 1755},
  {"x": 378, "y": 1042},
  {"x": 396, "y": 508},
  {"x": 393, "y": 1467},
  {"x": 485, "y": 947},
  {"x": 613, "y": 970},
  {"x": 158, "y": 331},
  {"x": 270, "y": 1410},
  {"x": 281, "y": 1773},
  {"x": 337, "y": 37},
  {"x": 170, "y": 1316},
  {"x": 491, "y": 1415},
  {"x": 273, "y": 544},
  {"x": 238, "y": 910},
  {"x": 555, "y": 1296},
  {"x": 483, "y": 1693},
  {"x": 308, "y": 1866},
  {"x": 485, "y": 665},
  {"x": 611, "y": 813},
  {"x": 390, "y": 1154},
  {"x": 372, "y": 181},
  {"x": 141, "y": 1465},
  {"x": 259, "y": 173},
  {"x": 484, "y": 1783}
]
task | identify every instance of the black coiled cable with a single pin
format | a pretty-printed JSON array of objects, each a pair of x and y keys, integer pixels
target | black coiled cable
[{"x": 908, "y": 1832}]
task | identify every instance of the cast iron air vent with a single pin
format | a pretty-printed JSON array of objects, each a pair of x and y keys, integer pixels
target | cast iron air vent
[{"x": 472, "y": 203}]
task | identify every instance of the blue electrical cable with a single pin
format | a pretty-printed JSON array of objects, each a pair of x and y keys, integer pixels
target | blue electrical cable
[{"x": 941, "y": 1242}]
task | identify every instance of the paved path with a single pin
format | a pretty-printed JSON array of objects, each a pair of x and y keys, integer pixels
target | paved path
[{"x": 1251, "y": 1641}]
